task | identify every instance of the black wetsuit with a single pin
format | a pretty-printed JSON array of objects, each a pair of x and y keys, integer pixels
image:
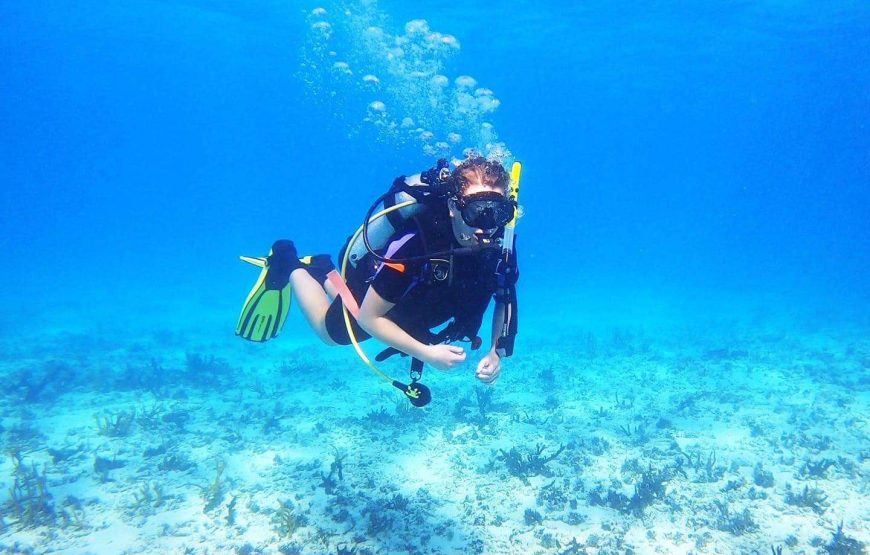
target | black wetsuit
[{"x": 426, "y": 294}]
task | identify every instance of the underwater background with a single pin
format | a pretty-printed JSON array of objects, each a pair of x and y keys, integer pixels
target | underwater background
[{"x": 692, "y": 369}]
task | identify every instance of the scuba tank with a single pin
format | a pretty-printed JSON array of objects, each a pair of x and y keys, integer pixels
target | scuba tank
[
  {"x": 379, "y": 230},
  {"x": 408, "y": 197}
]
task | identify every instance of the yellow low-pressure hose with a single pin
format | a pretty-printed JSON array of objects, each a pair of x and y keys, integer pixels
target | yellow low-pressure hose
[{"x": 344, "y": 262}]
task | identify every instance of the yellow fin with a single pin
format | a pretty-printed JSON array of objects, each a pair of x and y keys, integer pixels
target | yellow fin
[{"x": 258, "y": 261}]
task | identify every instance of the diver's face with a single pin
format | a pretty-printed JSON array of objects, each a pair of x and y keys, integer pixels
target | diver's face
[{"x": 466, "y": 235}]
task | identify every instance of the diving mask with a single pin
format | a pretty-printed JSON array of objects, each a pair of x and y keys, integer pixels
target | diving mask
[{"x": 486, "y": 210}]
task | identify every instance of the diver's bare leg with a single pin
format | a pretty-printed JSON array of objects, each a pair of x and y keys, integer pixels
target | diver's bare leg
[{"x": 314, "y": 302}]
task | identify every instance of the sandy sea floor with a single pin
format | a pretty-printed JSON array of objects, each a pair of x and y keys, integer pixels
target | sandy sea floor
[{"x": 703, "y": 439}]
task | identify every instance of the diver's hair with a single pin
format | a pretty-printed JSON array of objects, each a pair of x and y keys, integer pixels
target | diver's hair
[{"x": 477, "y": 169}]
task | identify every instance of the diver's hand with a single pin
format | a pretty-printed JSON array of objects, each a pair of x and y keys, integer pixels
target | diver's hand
[
  {"x": 489, "y": 367},
  {"x": 444, "y": 357}
]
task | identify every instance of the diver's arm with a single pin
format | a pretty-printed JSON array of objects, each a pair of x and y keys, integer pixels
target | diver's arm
[
  {"x": 498, "y": 316},
  {"x": 372, "y": 318}
]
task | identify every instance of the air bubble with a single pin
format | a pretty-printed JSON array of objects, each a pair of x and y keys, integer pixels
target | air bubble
[
  {"x": 465, "y": 82},
  {"x": 440, "y": 80},
  {"x": 417, "y": 27},
  {"x": 374, "y": 33},
  {"x": 488, "y": 103},
  {"x": 322, "y": 27},
  {"x": 342, "y": 67},
  {"x": 450, "y": 41}
]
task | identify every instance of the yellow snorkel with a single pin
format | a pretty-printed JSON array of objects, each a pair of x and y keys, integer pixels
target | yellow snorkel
[
  {"x": 514, "y": 195},
  {"x": 508, "y": 276}
]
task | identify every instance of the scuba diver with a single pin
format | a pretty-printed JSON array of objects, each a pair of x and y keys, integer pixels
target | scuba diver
[{"x": 440, "y": 247}]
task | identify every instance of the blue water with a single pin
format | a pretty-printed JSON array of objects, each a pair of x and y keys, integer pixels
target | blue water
[
  {"x": 717, "y": 151},
  {"x": 685, "y": 164}
]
